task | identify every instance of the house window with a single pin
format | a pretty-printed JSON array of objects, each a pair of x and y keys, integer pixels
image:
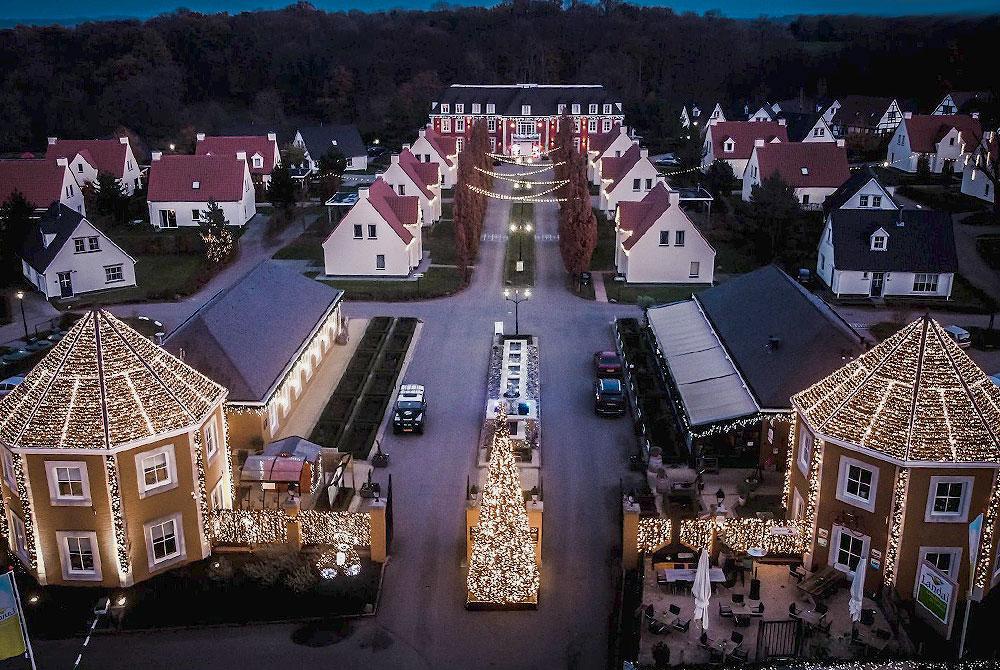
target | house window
[
  {"x": 459, "y": 144},
  {"x": 576, "y": 109},
  {"x": 822, "y": 262},
  {"x": 445, "y": 108},
  {"x": 211, "y": 441},
  {"x": 402, "y": 190},
  {"x": 863, "y": 200},
  {"x": 113, "y": 273},
  {"x": 491, "y": 124},
  {"x": 258, "y": 162},
  {"x": 219, "y": 496},
  {"x": 372, "y": 229},
  {"x": 196, "y": 215},
  {"x": 945, "y": 559},
  {"x": 380, "y": 262},
  {"x": 164, "y": 540},
  {"x": 636, "y": 184},
  {"x": 876, "y": 201},
  {"x": 664, "y": 238},
  {"x": 649, "y": 184},
  {"x": 168, "y": 218},
  {"x": 79, "y": 245},
  {"x": 156, "y": 470},
  {"x": 695, "y": 270},
  {"x": 925, "y": 283},
  {"x": 476, "y": 108},
  {"x": 69, "y": 191},
  {"x": 8, "y": 467},
  {"x": 948, "y": 499},
  {"x": 358, "y": 231},
  {"x": 591, "y": 125},
  {"x": 459, "y": 125},
  {"x": 607, "y": 109},
  {"x": 445, "y": 125},
  {"x": 561, "y": 109},
  {"x": 798, "y": 505},
  {"x": 459, "y": 108},
  {"x": 857, "y": 483},
  {"x": 78, "y": 555},
  {"x": 20, "y": 536},
  {"x": 805, "y": 451},
  {"x": 79, "y": 167},
  {"x": 951, "y": 141},
  {"x": 93, "y": 244},
  {"x": 848, "y": 550},
  {"x": 576, "y": 143},
  {"x": 679, "y": 238},
  {"x": 491, "y": 108},
  {"x": 819, "y": 132},
  {"x": 68, "y": 482},
  {"x": 805, "y": 198},
  {"x": 493, "y": 145},
  {"x": 728, "y": 146},
  {"x": 900, "y": 140},
  {"x": 878, "y": 243},
  {"x": 525, "y": 127},
  {"x": 525, "y": 110},
  {"x": 592, "y": 109}
]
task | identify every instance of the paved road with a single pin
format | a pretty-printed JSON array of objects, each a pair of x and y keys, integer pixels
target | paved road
[{"x": 422, "y": 622}]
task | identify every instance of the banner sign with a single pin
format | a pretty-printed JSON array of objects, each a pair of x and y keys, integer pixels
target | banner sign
[
  {"x": 935, "y": 593},
  {"x": 11, "y": 633}
]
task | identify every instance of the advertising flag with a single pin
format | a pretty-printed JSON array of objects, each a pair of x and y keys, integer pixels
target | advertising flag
[{"x": 11, "y": 632}]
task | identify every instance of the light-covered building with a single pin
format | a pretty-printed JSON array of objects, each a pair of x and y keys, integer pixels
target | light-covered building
[
  {"x": 181, "y": 186},
  {"x": 88, "y": 157}
]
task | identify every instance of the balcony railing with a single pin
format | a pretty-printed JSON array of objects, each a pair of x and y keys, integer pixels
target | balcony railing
[{"x": 525, "y": 137}]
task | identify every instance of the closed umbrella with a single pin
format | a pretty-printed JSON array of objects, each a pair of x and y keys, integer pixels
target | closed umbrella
[
  {"x": 858, "y": 590},
  {"x": 702, "y": 590}
]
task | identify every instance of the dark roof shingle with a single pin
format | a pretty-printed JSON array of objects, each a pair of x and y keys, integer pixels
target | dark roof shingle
[{"x": 925, "y": 242}]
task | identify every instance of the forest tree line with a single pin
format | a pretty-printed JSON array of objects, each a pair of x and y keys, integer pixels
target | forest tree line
[{"x": 171, "y": 75}]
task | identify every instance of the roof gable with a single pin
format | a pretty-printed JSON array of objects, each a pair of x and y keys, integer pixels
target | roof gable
[
  {"x": 858, "y": 181},
  {"x": 804, "y": 165},
  {"x": 218, "y": 177},
  {"x": 926, "y": 130},
  {"x": 39, "y": 180},
  {"x": 744, "y": 134},
  {"x": 103, "y": 155},
  {"x": 925, "y": 242}
]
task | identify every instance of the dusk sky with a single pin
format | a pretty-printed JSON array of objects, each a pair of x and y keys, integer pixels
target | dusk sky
[{"x": 71, "y": 9}]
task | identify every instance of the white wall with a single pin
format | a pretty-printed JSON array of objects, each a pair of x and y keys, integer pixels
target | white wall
[
  {"x": 237, "y": 213},
  {"x": 644, "y": 171},
  {"x": 975, "y": 183},
  {"x": 617, "y": 147},
  {"x": 87, "y": 268},
  {"x": 345, "y": 255},
  {"x": 824, "y": 255},
  {"x": 71, "y": 195},
  {"x": 898, "y": 154},
  {"x": 430, "y": 208},
  {"x": 649, "y": 263},
  {"x": 900, "y": 284},
  {"x": 816, "y": 195},
  {"x": 950, "y": 148},
  {"x": 422, "y": 147},
  {"x": 872, "y": 190}
]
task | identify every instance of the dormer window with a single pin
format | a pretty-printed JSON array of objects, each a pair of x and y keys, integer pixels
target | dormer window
[
  {"x": 258, "y": 162},
  {"x": 805, "y": 171},
  {"x": 491, "y": 108},
  {"x": 863, "y": 200},
  {"x": 607, "y": 109},
  {"x": 476, "y": 108},
  {"x": 879, "y": 242},
  {"x": 525, "y": 110},
  {"x": 445, "y": 108},
  {"x": 561, "y": 109},
  {"x": 196, "y": 185},
  {"x": 728, "y": 146},
  {"x": 576, "y": 109},
  {"x": 592, "y": 109}
]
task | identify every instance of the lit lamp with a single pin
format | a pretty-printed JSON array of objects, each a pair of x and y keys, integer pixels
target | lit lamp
[
  {"x": 24, "y": 320},
  {"x": 517, "y": 298}
]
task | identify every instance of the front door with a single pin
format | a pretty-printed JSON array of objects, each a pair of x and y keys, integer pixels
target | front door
[
  {"x": 878, "y": 282},
  {"x": 168, "y": 218},
  {"x": 66, "y": 284}
]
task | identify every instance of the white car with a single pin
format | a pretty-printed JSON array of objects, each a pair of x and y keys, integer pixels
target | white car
[
  {"x": 9, "y": 384},
  {"x": 961, "y": 336},
  {"x": 995, "y": 378}
]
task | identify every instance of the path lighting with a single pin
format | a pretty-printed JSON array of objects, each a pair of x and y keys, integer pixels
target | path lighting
[
  {"x": 517, "y": 297},
  {"x": 525, "y": 228},
  {"x": 24, "y": 319}
]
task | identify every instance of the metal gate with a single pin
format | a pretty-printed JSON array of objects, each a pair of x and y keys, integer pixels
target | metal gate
[
  {"x": 388, "y": 517},
  {"x": 778, "y": 639}
]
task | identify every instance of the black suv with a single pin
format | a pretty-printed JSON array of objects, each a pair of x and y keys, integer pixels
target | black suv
[
  {"x": 609, "y": 397},
  {"x": 410, "y": 410}
]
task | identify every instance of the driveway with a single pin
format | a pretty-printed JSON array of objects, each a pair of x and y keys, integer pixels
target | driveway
[{"x": 422, "y": 622}]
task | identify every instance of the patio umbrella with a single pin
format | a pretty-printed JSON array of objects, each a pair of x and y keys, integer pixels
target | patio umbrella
[
  {"x": 858, "y": 590},
  {"x": 702, "y": 590}
]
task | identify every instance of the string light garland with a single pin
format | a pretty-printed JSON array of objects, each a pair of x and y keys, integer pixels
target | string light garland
[
  {"x": 775, "y": 537},
  {"x": 814, "y": 466},
  {"x": 786, "y": 490},
  {"x": 515, "y": 175},
  {"x": 343, "y": 559},
  {"x": 502, "y": 569},
  {"x": 514, "y": 198},
  {"x": 884, "y": 665},
  {"x": 26, "y": 508},
  {"x": 896, "y": 525},
  {"x": 336, "y": 527},
  {"x": 122, "y": 544},
  {"x": 653, "y": 533},
  {"x": 697, "y": 533},
  {"x": 984, "y": 566},
  {"x": 248, "y": 526},
  {"x": 200, "y": 489}
]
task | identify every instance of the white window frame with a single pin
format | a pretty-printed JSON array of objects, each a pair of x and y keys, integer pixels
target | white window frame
[
  {"x": 380, "y": 261},
  {"x": 728, "y": 146},
  {"x": 561, "y": 108},
  {"x": 863, "y": 200},
  {"x": 476, "y": 108},
  {"x": 445, "y": 108},
  {"x": 846, "y": 463},
  {"x": 607, "y": 108},
  {"x": 591, "y": 125},
  {"x": 926, "y": 282},
  {"x": 798, "y": 505},
  {"x": 171, "y": 482},
  {"x": 876, "y": 201},
  {"x": 8, "y": 468},
  {"x": 525, "y": 110},
  {"x": 459, "y": 108},
  {"x": 834, "y": 558},
  {"x": 575, "y": 109},
  {"x": 592, "y": 108},
  {"x": 359, "y": 231},
  {"x": 804, "y": 456},
  {"x": 445, "y": 125},
  {"x": 879, "y": 242},
  {"x": 68, "y": 573},
  {"x": 179, "y": 555},
  {"x": 373, "y": 228},
  {"x": 606, "y": 125},
  {"x": 695, "y": 270},
  {"x": 679, "y": 238},
  {"x": 114, "y": 273},
  {"x": 20, "y": 535},
  {"x": 491, "y": 108},
  {"x": 491, "y": 124},
  {"x": 664, "y": 235},
  {"x": 258, "y": 162},
  {"x": 55, "y": 498},
  {"x": 218, "y": 495},
  {"x": 956, "y": 559},
  {"x": 211, "y": 436},
  {"x": 962, "y": 515},
  {"x": 459, "y": 125}
]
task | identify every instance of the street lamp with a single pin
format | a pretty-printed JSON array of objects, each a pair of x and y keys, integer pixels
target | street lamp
[
  {"x": 24, "y": 319},
  {"x": 516, "y": 297},
  {"x": 523, "y": 228}
]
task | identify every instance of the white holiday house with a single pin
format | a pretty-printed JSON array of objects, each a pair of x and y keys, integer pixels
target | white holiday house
[
  {"x": 316, "y": 141},
  {"x": 862, "y": 190},
  {"x": 942, "y": 139},
  {"x": 41, "y": 181},
  {"x": 656, "y": 243},
  {"x": 628, "y": 177},
  {"x": 65, "y": 255},
  {"x": 888, "y": 252},
  {"x": 606, "y": 145},
  {"x": 733, "y": 141},
  {"x": 380, "y": 235},
  {"x": 408, "y": 176},
  {"x": 974, "y": 179},
  {"x": 813, "y": 170},
  {"x": 261, "y": 152},
  {"x": 181, "y": 186},
  {"x": 433, "y": 147},
  {"x": 88, "y": 157}
]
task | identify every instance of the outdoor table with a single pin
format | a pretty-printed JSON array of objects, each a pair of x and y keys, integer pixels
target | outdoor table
[
  {"x": 811, "y": 617},
  {"x": 741, "y": 613},
  {"x": 821, "y": 583},
  {"x": 670, "y": 575}
]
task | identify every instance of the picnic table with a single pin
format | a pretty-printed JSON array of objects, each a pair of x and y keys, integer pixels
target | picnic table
[
  {"x": 671, "y": 575},
  {"x": 741, "y": 613},
  {"x": 821, "y": 583}
]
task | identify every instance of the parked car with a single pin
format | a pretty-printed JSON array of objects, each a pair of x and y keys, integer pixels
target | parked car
[
  {"x": 609, "y": 397},
  {"x": 667, "y": 159},
  {"x": 607, "y": 364},
  {"x": 9, "y": 384},
  {"x": 961, "y": 336},
  {"x": 995, "y": 378},
  {"x": 410, "y": 411}
]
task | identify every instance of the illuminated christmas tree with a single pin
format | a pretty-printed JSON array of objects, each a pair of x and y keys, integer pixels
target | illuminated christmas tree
[{"x": 502, "y": 570}]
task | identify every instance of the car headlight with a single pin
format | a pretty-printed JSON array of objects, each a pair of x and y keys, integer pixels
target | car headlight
[
  {"x": 419, "y": 416},
  {"x": 397, "y": 417}
]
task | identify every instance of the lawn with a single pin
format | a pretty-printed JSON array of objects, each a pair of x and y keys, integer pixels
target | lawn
[
  {"x": 436, "y": 282},
  {"x": 308, "y": 247},
  {"x": 989, "y": 248},
  {"x": 658, "y": 294},
  {"x": 520, "y": 246},
  {"x": 157, "y": 278},
  {"x": 439, "y": 242},
  {"x": 942, "y": 198},
  {"x": 604, "y": 252}
]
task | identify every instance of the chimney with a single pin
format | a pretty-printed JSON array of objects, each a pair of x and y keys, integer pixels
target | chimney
[
  {"x": 156, "y": 155},
  {"x": 975, "y": 115},
  {"x": 363, "y": 193},
  {"x": 907, "y": 115},
  {"x": 241, "y": 155},
  {"x": 422, "y": 132},
  {"x": 773, "y": 343},
  {"x": 53, "y": 140},
  {"x": 394, "y": 159},
  {"x": 759, "y": 142},
  {"x": 406, "y": 147},
  {"x": 272, "y": 137},
  {"x": 643, "y": 152},
  {"x": 123, "y": 140},
  {"x": 661, "y": 179},
  {"x": 200, "y": 137},
  {"x": 782, "y": 122},
  {"x": 63, "y": 162},
  {"x": 840, "y": 143}
]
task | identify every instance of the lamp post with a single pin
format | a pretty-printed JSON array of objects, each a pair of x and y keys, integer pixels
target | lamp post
[
  {"x": 523, "y": 228},
  {"x": 516, "y": 297},
  {"x": 24, "y": 319}
]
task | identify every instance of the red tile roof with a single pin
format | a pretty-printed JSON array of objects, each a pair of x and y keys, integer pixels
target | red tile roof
[
  {"x": 39, "y": 180},
  {"x": 397, "y": 210},
  {"x": 744, "y": 134},
  {"x": 615, "y": 168},
  {"x": 926, "y": 130},
  {"x": 825, "y": 163},
  {"x": 599, "y": 142},
  {"x": 104, "y": 155},
  {"x": 640, "y": 216},
  {"x": 422, "y": 174},
  {"x": 445, "y": 146},
  {"x": 220, "y": 178},
  {"x": 251, "y": 144}
]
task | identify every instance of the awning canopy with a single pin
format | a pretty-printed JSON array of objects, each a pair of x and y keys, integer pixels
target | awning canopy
[{"x": 709, "y": 384}]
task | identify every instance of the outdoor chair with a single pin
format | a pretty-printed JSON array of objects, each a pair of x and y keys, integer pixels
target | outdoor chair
[
  {"x": 706, "y": 642},
  {"x": 758, "y": 610},
  {"x": 725, "y": 611},
  {"x": 655, "y": 626},
  {"x": 678, "y": 624},
  {"x": 740, "y": 655},
  {"x": 796, "y": 572},
  {"x": 793, "y": 611},
  {"x": 736, "y": 638}
]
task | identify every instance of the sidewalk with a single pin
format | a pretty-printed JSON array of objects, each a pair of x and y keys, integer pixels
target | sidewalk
[
  {"x": 600, "y": 293},
  {"x": 37, "y": 312}
]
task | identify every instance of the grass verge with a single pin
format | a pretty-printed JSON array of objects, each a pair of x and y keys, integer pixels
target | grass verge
[
  {"x": 436, "y": 282},
  {"x": 657, "y": 294},
  {"x": 520, "y": 246}
]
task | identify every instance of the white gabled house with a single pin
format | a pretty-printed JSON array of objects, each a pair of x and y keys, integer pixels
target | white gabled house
[
  {"x": 692, "y": 115},
  {"x": 380, "y": 235},
  {"x": 961, "y": 102},
  {"x": 41, "y": 181},
  {"x": 88, "y": 157},
  {"x": 408, "y": 176},
  {"x": 942, "y": 139},
  {"x": 181, "y": 186},
  {"x": 261, "y": 151},
  {"x": 656, "y": 243},
  {"x": 65, "y": 255},
  {"x": 315, "y": 141},
  {"x": 813, "y": 170},
  {"x": 862, "y": 190},
  {"x": 733, "y": 141},
  {"x": 433, "y": 147},
  {"x": 606, "y": 145},
  {"x": 628, "y": 177},
  {"x": 888, "y": 253},
  {"x": 974, "y": 179}
]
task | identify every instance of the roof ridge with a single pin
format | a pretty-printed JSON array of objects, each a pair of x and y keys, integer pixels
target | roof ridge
[
  {"x": 916, "y": 387},
  {"x": 101, "y": 384}
]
